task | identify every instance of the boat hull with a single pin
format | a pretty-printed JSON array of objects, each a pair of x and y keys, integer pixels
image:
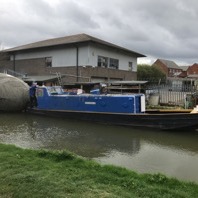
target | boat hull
[
  {"x": 166, "y": 121},
  {"x": 114, "y": 109}
]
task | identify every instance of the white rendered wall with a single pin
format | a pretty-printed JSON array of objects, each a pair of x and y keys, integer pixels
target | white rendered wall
[
  {"x": 60, "y": 57},
  {"x": 123, "y": 59},
  {"x": 87, "y": 55}
]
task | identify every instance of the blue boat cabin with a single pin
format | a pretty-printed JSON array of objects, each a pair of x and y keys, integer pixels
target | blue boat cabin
[{"x": 55, "y": 98}]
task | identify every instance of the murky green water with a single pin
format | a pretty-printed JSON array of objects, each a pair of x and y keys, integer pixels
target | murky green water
[{"x": 172, "y": 153}]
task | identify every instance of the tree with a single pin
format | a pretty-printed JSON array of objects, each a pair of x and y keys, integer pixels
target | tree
[{"x": 150, "y": 73}]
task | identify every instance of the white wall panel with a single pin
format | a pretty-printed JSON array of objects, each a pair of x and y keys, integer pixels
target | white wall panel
[
  {"x": 123, "y": 59},
  {"x": 87, "y": 55}
]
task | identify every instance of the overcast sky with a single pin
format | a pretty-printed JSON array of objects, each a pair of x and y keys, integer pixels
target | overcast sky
[{"x": 156, "y": 28}]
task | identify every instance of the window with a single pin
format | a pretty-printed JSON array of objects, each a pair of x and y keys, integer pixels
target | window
[
  {"x": 48, "y": 61},
  {"x": 102, "y": 61},
  {"x": 130, "y": 66},
  {"x": 114, "y": 63}
]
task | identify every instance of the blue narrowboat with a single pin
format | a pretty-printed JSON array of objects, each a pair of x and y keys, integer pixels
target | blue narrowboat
[
  {"x": 116, "y": 109},
  {"x": 54, "y": 98}
]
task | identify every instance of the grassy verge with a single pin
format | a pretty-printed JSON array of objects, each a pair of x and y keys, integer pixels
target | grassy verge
[{"x": 38, "y": 173}]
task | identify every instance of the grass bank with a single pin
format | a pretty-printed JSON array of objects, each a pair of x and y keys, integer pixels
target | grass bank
[{"x": 38, "y": 173}]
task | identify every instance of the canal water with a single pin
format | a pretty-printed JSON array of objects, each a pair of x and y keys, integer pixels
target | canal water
[{"x": 174, "y": 154}]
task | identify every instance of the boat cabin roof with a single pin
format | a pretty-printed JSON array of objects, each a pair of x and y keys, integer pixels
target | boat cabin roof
[
  {"x": 111, "y": 86},
  {"x": 133, "y": 82}
]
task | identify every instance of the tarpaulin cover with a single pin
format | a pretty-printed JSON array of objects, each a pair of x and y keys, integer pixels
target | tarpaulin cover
[{"x": 14, "y": 93}]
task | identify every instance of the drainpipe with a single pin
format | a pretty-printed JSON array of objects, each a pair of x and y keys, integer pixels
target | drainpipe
[
  {"x": 14, "y": 63},
  {"x": 77, "y": 66}
]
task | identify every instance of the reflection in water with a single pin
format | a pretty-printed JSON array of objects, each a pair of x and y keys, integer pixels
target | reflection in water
[
  {"x": 174, "y": 154},
  {"x": 41, "y": 132}
]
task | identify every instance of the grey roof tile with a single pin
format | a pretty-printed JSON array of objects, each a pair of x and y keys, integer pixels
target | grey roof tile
[
  {"x": 170, "y": 64},
  {"x": 73, "y": 39}
]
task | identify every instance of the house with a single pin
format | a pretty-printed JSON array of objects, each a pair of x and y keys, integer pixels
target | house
[
  {"x": 192, "y": 71},
  {"x": 170, "y": 68},
  {"x": 184, "y": 71},
  {"x": 79, "y": 58}
]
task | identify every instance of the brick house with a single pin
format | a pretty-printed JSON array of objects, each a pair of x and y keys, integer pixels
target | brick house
[
  {"x": 192, "y": 71},
  {"x": 184, "y": 71},
  {"x": 170, "y": 68},
  {"x": 78, "y": 57}
]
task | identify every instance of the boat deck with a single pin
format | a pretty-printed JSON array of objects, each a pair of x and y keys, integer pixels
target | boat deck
[{"x": 168, "y": 110}]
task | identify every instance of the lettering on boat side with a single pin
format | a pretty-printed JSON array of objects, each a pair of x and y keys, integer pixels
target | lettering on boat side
[{"x": 90, "y": 103}]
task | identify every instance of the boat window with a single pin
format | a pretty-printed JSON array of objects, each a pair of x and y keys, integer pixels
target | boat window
[{"x": 55, "y": 90}]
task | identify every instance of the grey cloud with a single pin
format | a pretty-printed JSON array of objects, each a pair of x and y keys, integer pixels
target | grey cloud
[
  {"x": 171, "y": 27},
  {"x": 177, "y": 17},
  {"x": 41, "y": 18},
  {"x": 75, "y": 14},
  {"x": 156, "y": 28}
]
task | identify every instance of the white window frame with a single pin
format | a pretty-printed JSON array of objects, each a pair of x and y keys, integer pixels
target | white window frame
[{"x": 130, "y": 66}]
